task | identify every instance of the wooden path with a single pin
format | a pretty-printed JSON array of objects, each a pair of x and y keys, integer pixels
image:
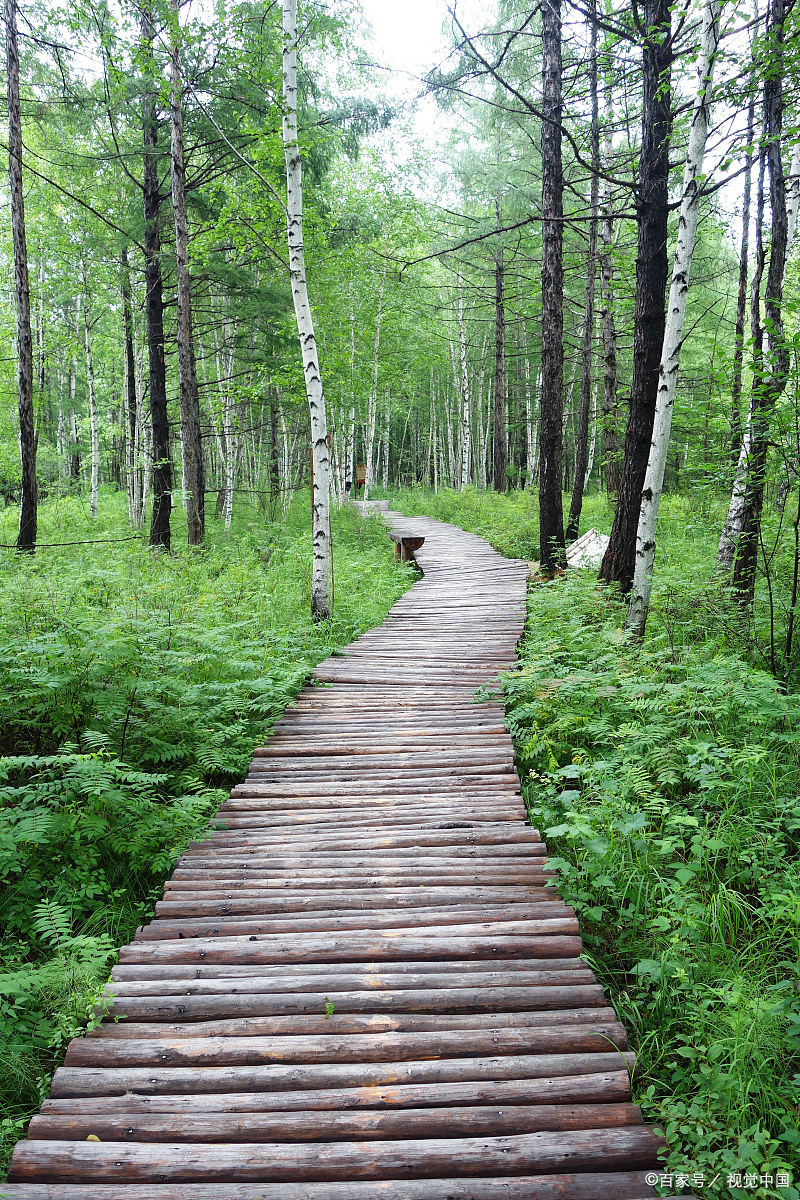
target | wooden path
[{"x": 360, "y": 987}]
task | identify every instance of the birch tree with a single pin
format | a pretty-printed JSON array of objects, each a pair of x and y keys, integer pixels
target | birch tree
[
  {"x": 739, "y": 542},
  {"x": 191, "y": 443},
  {"x": 28, "y": 511},
  {"x": 93, "y": 420},
  {"x": 673, "y": 333},
  {"x": 652, "y": 272},
  {"x": 581, "y": 449},
  {"x": 466, "y": 427},
  {"x": 161, "y": 469},
  {"x": 370, "y": 463},
  {"x": 551, "y": 521},
  {"x": 611, "y": 464},
  {"x": 320, "y": 486}
]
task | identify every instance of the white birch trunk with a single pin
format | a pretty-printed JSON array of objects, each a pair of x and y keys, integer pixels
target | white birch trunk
[
  {"x": 370, "y": 463},
  {"x": 726, "y": 551},
  {"x": 673, "y": 333},
  {"x": 387, "y": 419},
  {"x": 593, "y": 440},
  {"x": 320, "y": 488},
  {"x": 147, "y": 481},
  {"x": 93, "y": 421},
  {"x": 137, "y": 493},
  {"x": 792, "y": 199},
  {"x": 61, "y": 431},
  {"x": 466, "y": 427},
  {"x": 482, "y": 436}
]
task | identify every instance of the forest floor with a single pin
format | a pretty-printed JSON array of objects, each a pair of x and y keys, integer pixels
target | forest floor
[{"x": 133, "y": 689}]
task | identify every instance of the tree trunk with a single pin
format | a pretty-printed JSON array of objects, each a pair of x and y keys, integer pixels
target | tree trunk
[
  {"x": 551, "y": 522},
  {"x": 320, "y": 502},
  {"x": 372, "y": 409},
  {"x": 499, "y": 481},
  {"x": 611, "y": 465},
  {"x": 191, "y": 440},
  {"x": 131, "y": 464},
  {"x": 792, "y": 201},
  {"x": 673, "y": 335},
  {"x": 770, "y": 371},
  {"x": 741, "y": 304},
  {"x": 28, "y": 512},
  {"x": 582, "y": 447},
  {"x": 61, "y": 432},
  {"x": 466, "y": 417},
  {"x": 652, "y": 267},
  {"x": 93, "y": 423},
  {"x": 387, "y": 420},
  {"x": 161, "y": 460}
]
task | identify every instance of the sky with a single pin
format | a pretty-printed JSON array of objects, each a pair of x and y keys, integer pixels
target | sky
[{"x": 408, "y": 35}]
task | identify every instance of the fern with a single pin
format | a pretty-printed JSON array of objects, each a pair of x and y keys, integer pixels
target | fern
[{"x": 52, "y": 923}]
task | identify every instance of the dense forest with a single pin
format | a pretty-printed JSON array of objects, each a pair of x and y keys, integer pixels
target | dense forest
[{"x": 245, "y": 287}]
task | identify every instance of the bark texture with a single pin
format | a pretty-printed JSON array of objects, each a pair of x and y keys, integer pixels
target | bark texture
[
  {"x": 673, "y": 336},
  {"x": 551, "y": 521},
  {"x": 741, "y": 303},
  {"x": 652, "y": 268},
  {"x": 191, "y": 440},
  {"x": 611, "y": 464},
  {"x": 466, "y": 408},
  {"x": 320, "y": 499},
  {"x": 93, "y": 418},
  {"x": 28, "y": 511},
  {"x": 154, "y": 304},
  {"x": 770, "y": 370},
  {"x": 582, "y": 447},
  {"x": 499, "y": 478},
  {"x": 133, "y": 470}
]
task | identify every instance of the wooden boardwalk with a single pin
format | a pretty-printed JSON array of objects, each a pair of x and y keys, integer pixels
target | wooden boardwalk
[{"x": 360, "y": 987}]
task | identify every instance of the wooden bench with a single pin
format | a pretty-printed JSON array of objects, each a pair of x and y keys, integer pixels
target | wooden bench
[{"x": 406, "y": 545}]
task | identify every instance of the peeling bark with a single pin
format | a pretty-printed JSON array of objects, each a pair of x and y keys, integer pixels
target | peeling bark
[
  {"x": 320, "y": 497},
  {"x": 673, "y": 334},
  {"x": 652, "y": 268}
]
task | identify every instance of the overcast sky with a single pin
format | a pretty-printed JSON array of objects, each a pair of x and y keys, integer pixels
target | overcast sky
[{"x": 408, "y": 33}]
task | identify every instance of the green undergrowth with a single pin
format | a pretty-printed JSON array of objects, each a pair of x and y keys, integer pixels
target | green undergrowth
[
  {"x": 133, "y": 688},
  {"x": 665, "y": 779}
]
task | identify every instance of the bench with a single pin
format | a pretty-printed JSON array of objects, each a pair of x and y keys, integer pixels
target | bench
[{"x": 406, "y": 545}]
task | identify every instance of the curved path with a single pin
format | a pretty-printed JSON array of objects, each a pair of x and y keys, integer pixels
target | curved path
[{"x": 360, "y": 987}]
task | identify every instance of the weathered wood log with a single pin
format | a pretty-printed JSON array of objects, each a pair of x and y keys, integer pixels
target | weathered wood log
[
  {"x": 314, "y": 1126},
  {"x": 629, "y": 1185},
  {"x": 527, "y": 874},
  {"x": 91, "y": 1081},
  {"x": 597, "y": 1019},
  {"x": 370, "y": 946},
  {"x": 400, "y": 971},
  {"x": 214, "y": 902},
  {"x": 612, "y": 1086},
  {"x": 590, "y": 1150},
  {"x": 517, "y": 835},
  {"x": 435, "y": 921},
  {"x": 342, "y": 1048}
]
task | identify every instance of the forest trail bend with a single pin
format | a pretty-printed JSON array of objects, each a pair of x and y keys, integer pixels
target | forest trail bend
[{"x": 360, "y": 986}]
